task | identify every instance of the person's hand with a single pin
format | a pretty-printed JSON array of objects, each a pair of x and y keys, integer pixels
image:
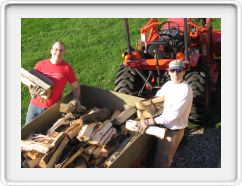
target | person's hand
[
  {"x": 78, "y": 107},
  {"x": 143, "y": 124},
  {"x": 34, "y": 90},
  {"x": 76, "y": 102}
]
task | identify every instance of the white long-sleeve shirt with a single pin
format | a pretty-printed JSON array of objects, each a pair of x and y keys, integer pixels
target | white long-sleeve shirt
[{"x": 177, "y": 105}]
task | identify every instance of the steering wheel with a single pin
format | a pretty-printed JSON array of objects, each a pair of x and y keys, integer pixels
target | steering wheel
[{"x": 171, "y": 31}]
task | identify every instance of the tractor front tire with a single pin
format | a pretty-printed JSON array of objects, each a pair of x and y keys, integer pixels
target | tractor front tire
[
  {"x": 127, "y": 81},
  {"x": 198, "y": 79}
]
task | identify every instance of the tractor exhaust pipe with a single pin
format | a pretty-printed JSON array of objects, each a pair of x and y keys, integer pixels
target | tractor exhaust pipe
[
  {"x": 126, "y": 27},
  {"x": 185, "y": 40}
]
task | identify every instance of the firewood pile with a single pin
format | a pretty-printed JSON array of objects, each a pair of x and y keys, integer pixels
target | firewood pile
[{"x": 78, "y": 140}]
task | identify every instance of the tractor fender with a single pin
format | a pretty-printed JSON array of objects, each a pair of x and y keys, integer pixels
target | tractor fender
[{"x": 194, "y": 58}]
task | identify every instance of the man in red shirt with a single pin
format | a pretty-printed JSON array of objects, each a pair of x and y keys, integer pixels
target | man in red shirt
[{"x": 59, "y": 72}]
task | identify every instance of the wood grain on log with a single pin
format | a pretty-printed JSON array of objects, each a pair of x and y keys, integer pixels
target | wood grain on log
[
  {"x": 98, "y": 134},
  {"x": 73, "y": 157},
  {"x": 27, "y": 145},
  {"x": 35, "y": 78},
  {"x": 31, "y": 154},
  {"x": 66, "y": 120},
  {"x": 86, "y": 132},
  {"x": 31, "y": 163},
  {"x": 44, "y": 161},
  {"x": 73, "y": 130},
  {"x": 124, "y": 116},
  {"x": 115, "y": 114},
  {"x": 56, "y": 155}
]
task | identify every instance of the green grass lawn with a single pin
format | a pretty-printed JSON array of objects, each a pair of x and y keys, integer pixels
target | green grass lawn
[{"x": 92, "y": 46}]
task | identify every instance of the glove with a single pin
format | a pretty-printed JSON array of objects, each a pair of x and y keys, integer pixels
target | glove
[
  {"x": 143, "y": 124},
  {"x": 78, "y": 107},
  {"x": 34, "y": 90},
  {"x": 76, "y": 102}
]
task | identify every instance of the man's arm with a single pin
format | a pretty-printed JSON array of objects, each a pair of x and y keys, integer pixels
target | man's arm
[
  {"x": 76, "y": 90},
  {"x": 158, "y": 99}
]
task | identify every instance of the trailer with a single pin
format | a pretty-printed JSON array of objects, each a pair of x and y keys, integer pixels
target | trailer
[{"x": 132, "y": 151}]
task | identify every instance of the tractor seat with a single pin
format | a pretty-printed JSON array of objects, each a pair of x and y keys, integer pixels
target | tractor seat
[{"x": 161, "y": 47}]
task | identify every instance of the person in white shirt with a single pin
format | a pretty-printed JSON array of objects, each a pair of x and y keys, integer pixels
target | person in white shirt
[{"x": 177, "y": 96}]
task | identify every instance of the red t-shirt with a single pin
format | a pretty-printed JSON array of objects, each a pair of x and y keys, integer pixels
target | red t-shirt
[{"x": 59, "y": 73}]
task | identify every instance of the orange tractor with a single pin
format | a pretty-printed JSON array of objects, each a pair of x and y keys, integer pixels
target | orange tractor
[{"x": 144, "y": 69}]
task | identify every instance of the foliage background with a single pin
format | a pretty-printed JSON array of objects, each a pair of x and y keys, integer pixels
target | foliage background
[{"x": 93, "y": 46}]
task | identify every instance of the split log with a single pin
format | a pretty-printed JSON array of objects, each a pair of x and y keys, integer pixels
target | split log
[
  {"x": 73, "y": 157},
  {"x": 115, "y": 114},
  {"x": 100, "y": 152},
  {"x": 97, "y": 116},
  {"x": 149, "y": 108},
  {"x": 89, "y": 150},
  {"x": 86, "y": 132},
  {"x": 58, "y": 139},
  {"x": 124, "y": 116},
  {"x": 28, "y": 145},
  {"x": 143, "y": 104},
  {"x": 66, "y": 120},
  {"x": 73, "y": 130},
  {"x": 57, "y": 153},
  {"x": 31, "y": 154},
  {"x": 31, "y": 163},
  {"x": 35, "y": 78},
  {"x": 100, "y": 132},
  {"x": 107, "y": 137},
  {"x": 159, "y": 132}
]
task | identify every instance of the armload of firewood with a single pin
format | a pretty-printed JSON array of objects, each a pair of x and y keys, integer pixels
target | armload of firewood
[
  {"x": 149, "y": 108},
  {"x": 75, "y": 140},
  {"x": 35, "y": 78}
]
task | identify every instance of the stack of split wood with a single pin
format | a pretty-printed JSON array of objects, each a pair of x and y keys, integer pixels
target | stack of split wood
[
  {"x": 35, "y": 78},
  {"x": 78, "y": 140}
]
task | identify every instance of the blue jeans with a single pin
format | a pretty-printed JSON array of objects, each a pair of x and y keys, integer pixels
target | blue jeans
[{"x": 33, "y": 112}]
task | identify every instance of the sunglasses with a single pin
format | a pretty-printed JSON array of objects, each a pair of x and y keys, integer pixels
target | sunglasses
[{"x": 177, "y": 70}]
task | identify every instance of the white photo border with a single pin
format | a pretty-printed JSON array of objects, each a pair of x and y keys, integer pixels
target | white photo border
[{"x": 14, "y": 175}]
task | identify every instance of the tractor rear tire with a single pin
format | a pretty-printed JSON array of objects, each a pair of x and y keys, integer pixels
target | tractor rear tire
[
  {"x": 127, "y": 81},
  {"x": 198, "y": 79}
]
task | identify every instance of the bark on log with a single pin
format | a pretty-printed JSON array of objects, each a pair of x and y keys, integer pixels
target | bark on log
[
  {"x": 97, "y": 116},
  {"x": 57, "y": 153},
  {"x": 73, "y": 130},
  {"x": 34, "y": 78},
  {"x": 115, "y": 114},
  {"x": 31, "y": 163},
  {"x": 124, "y": 116},
  {"x": 73, "y": 157},
  {"x": 58, "y": 139},
  {"x": 100, "y": 132},
  {"x": 66, "y": 120},
  {"x": 107, "y": 137}
]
